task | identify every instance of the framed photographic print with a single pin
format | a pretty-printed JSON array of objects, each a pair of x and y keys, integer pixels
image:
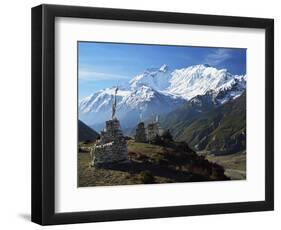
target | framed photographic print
[{"x": 142, "y": 114}]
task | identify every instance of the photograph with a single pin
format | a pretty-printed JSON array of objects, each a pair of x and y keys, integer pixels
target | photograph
[
  {"x": 170, "y": 112},
  {"x": 150, "y": 114}
]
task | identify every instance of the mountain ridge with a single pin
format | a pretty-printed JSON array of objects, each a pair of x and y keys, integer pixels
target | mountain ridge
[
  {"x": 220, "y": 131},
  {"x": 86, "y": 133},
  {"x": 160, "y": 91}
]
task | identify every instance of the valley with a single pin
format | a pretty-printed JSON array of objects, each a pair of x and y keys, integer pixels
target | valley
[{"x": 234, "y": 164}]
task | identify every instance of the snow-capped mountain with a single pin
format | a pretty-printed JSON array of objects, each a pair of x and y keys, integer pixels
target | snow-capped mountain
[
  {"x": 199, "y": 79},
  {"x": 192, "y": 81},
  {"x": 159, "y": 91},
  {"x": 131, "y": 104},
  {"x": 158, "y": 79}
]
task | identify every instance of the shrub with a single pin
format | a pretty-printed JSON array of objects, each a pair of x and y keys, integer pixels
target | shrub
[
  {"x": 157, "y": 140},
  {"x": 147, "y": 177},
  {"x": 167, "y": 136}
]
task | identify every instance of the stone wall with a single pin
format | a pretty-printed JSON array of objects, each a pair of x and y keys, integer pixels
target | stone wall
[
  {"x": 141, "y": 133},
  {"x": 112, "y": 146},
  {"x": 152, "y": 131}
]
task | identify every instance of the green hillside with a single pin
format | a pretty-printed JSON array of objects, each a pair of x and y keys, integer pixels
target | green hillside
[
  {"x": 221, "y": 131},
  {"x": 151, "y": 164},
  {"x": 183, "y": 116},
  {"x": 205, "y": 126}
]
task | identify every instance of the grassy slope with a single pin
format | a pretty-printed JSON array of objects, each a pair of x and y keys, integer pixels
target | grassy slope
[
  {"x": 221, "y": 131},
  {"x": 186, "y": 114},
  {"x": 165, "y": 164}
]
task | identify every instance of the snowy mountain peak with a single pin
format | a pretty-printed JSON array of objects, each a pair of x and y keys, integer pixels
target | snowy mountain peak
[
  {"x": 164, "y": 68},
  {"x": 201, "y": 68},
  {"x": 199, "y": 79},
  {"x": 157, "y": 79},
  {"x": 160, "y": 90}
]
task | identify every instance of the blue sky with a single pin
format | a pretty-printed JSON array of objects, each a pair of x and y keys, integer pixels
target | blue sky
[{"x": 102, "y": 65}]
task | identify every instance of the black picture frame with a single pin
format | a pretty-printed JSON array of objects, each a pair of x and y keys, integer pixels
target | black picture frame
[{"x": 43, "y": 114}]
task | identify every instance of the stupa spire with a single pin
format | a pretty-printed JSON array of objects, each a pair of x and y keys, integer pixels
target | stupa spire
[{"x": 114, "y": 104}]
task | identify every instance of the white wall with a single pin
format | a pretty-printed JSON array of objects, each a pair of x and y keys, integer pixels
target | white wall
[{"x": 15, "y": 113}]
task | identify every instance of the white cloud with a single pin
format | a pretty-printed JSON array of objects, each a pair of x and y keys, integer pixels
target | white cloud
[
  {"x": 91, "y": 75},
  {"x": 218, "y": 56}
]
